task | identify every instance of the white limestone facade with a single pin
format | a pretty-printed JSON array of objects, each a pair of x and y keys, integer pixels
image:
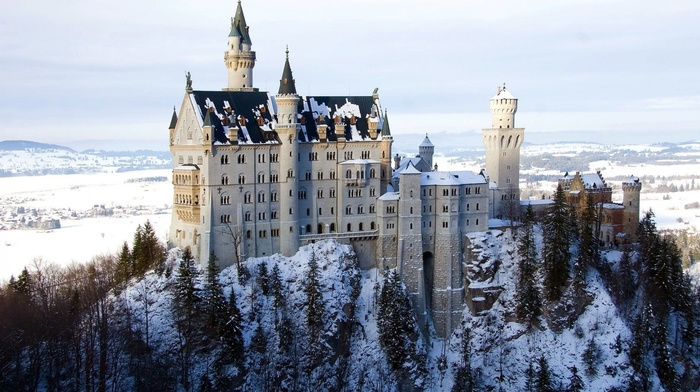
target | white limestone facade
[{"x": 256, "y": 174}]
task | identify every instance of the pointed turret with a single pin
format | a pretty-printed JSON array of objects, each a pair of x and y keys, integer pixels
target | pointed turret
[
  {"x": 288, "y": 128},
  {"x": 240, "y": 25},
  {"x": 426, "y": 151},
  {"x": 385, "y": 125},
  {"x": 173, "y": 119},
  {"x": 239, "y": 57},
  {"x": 207, "y": 119},
  {"x": 287, "y": 85}
]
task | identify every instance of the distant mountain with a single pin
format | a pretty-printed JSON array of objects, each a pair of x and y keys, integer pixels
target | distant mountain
[{"x": 14, "y": 145}]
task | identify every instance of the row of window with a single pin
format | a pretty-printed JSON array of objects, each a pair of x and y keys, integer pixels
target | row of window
[
  {"x": 274, "y": 157},
  {"x": 241, "y": 158},
  {"x": 274, "y": 177},
  {"x": 453, "y": 192},
  {"x": 190, "y": 160},
  {"x": 187, "y": 199}
]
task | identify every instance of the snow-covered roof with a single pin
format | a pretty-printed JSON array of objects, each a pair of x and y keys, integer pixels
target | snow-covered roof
[
  {"x": 358, "y": 162},
  {"x": 613, "y": 206},
  {"x": 389, "y": 196},
  {"x": 592, "y": 180},
  {"x": 426, "y": 142},
  {"x": 187, "y": 167},
  {"x": 410, "y": 169},
  {"x": 536, "y": 202},
  {"x": 417, "y": 162},
  {"x": 503, "y": 93},
  {"x": 451, "y": 178}
]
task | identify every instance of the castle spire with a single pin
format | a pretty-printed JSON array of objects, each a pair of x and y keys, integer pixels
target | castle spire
[
  {"x": 240, "y": 25},
  {"x": 287, "y": 85},
  {"x": 385, "y": 126},
  {"x": 239, "y": 56},
  {"x": 173, "y": 120}
]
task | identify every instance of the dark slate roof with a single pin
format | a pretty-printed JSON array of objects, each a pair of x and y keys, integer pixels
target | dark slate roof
[
  {"x": 385, "y": 125},
  {"x": 254, "y": 105},
  {"x": 173, "y": 119},
  {"x": 287, "y": 85},
  {"x": 240, "y": 24},
  {"x": 333, "y": 103},
  {"x": 250, "y": 105}
]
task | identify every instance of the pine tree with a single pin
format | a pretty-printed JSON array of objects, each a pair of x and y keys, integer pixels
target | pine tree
[
  {"x": 314, "y": 300},
  {"x": 215, "y": 302},
  {"x": 263, "y": 278},
  {"x": 530, "y": 377},
  {"x": 556, "y": 246},
  {"x": 147, "y": 251},
  {"x": 186, "y": 301},
  {"x": 395, "y": 322},
  {"x": 124, "y": 267},
  {"x": 276, "y": 288},
  {"x": 139, "y": 253},
  {"x": 463, "y": 377},
  {"x": 664, "y": 363},
  {"x": 625, "y": 285},
  {"x": 527, "y": 295},
  {"x": 543, "y": 382},
  {"x": 575, "y": 382},
  {"x": 591, "y": 356},
  {"x": 186, "y": 292},
  {"x": 588, "y": 255},
  {"x": 230, "y": 332}
]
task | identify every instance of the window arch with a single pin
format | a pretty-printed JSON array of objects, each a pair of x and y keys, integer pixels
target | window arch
[{"x": 224, "y": 179}]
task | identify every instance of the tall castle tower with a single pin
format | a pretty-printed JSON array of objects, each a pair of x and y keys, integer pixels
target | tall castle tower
[
  {"x": 631, "y": 190},
  {"x": 426, "y": 151},
  {"x": 288, "y": 128},
  {"x": 502, "y": 142},
  {"x": 239, "y": 57}
]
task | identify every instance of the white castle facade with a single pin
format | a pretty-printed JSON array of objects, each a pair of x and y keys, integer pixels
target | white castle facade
[{"x": 257, "y": 174}]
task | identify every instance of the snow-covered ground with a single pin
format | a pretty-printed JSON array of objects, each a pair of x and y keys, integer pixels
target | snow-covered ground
[{"x": 78, "y": 240}]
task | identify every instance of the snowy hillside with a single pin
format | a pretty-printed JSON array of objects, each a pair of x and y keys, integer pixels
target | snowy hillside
[{"x": 23, "y": 158}]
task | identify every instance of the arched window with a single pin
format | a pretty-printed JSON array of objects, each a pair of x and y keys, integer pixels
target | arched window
[
  {"x": 332, "y": 227},
  {"x": 349, "y": 227},
  {"x": 348, "y": 173},
  {"x": 241, "y": 179},
  {"x": 224, "y": 179}
]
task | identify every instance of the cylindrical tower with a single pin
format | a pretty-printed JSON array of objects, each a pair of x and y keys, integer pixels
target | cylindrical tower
[
  {"x": 503, "y": 108},
  {"x": 287, "y": 129},
  {"x": 503, "y": 142},
  {"x": 631, "y": 190},
  {"x": 426, "y": 151},
  {"x": 238, "y": 57}
]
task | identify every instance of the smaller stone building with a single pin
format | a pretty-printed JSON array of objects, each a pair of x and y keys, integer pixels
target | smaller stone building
[{"x": 618, "y": 221}]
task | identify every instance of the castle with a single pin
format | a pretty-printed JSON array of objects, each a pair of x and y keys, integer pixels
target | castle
[{"x": 257, "y": 174}]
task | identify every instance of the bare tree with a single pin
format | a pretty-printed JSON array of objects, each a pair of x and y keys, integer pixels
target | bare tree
[{"x": 234, "y": 237}]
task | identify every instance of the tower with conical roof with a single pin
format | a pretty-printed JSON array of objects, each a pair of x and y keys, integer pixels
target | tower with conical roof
[
  {"x": 426, "y": 151},
  {"x": 385, "y": 145},
  {"x": 239, "y": 57},
  {"x": 287, "y": 129},
  {"x": 503, "y": 141}
]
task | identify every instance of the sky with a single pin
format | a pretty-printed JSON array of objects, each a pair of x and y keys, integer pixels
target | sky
[{"x": 108, "y": 73}]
